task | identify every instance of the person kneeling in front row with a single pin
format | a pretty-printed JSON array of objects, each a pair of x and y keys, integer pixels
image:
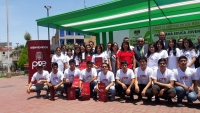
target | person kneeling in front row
[
  {"x": 89, "y": 75},
  {"x": 106, "y": 77},
  {"x": 125, "y": 79},
  {"x": 55, "y": 80},
  {"x": 143, "y": 81},
  {"x": 163, "y": 80},
  {"x": 41, "y": 77}
]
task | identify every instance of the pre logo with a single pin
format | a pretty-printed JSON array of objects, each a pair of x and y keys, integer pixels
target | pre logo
[{"x": 35, "y": 63}]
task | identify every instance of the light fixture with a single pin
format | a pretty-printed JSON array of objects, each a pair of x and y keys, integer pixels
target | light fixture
[
  {"x": 140, "y": 21},
  {"x": 131, "y": 13}
]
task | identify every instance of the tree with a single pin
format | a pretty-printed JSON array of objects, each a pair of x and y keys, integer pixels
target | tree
[
  {"x": 27, "y": 36},
  {"x": 23, "y": 58}
]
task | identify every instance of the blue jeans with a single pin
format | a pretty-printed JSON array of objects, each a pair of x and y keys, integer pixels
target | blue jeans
[
  {"x": 191, "y": 96},
  {"x": 111, "y": 90},
  {"x": 92, "y": 85}
]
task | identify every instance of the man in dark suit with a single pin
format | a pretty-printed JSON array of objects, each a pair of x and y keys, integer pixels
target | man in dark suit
[
  {"x": 140, "y": 50},
  {"x": 162, "y": 37},
  {"x": 197, "y": 62}
]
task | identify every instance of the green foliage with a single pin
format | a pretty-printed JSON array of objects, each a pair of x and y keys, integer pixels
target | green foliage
[
  {"x": 69, "y": 46},
  {"x": 27, "y": 36},
  {"x": 23, "y": 58}
]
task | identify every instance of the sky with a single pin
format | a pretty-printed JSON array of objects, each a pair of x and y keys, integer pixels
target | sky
[{"x": 22, "y": 16}]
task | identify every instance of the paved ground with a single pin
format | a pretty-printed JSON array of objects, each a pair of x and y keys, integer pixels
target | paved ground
[{"x": 14, "y": 99}]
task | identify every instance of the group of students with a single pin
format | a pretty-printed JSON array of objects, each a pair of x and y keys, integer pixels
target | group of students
[{"x": 161, "y": 69}]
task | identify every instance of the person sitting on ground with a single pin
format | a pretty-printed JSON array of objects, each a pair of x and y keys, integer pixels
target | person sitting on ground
[
  {"x": 106, "y": 77},
  {"x": 40, "y": 77},
  {"x": 69, "y": 75},
  {"x": 163, "y": 80},
  {"x": 55, "y": 80},
  {"x": 89, "y": 75},
  {"x": 125, "y": 79},
  {"x": 185, "y": 77},
  {"x": 143, "y": 81}
]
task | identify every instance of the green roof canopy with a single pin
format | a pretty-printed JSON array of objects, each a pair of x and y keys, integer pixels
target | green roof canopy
[{"x": 124, "y": 14}]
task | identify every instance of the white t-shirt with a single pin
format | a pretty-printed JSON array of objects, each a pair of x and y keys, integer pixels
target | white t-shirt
[
  {"x": 197, "y": 75},
  {"x": 77, "y": 60},
  {"x": 143, "y": 76},
  {"x": 102, "y": 55},
  {"x": 37, "y": 76},
  {"x": 107, "y": 79},
  {"x": 125, "y": 78},
  {"x": 67, "y": 58},
  {"x": 185, "y": 77},
  {"x": 152, "y": 60},
  {"x": 83, "y": 55},
  {"x": 163, "y": 53},
  {"x": 165, "y": 78},
  {"x": 55, "y": 79},
  {"x": 87, "y": 76},
  {"x": 172, "y": 60},
  {"x": 68, "y": 74},
  {"x": 60, "y": 60},
  {"x": 189, "y": 54}
]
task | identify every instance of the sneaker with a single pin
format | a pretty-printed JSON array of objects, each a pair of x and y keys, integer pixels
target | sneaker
[
  {"x": 153, "y": 97},
  {"x": 190, "y": 102},
  {"x": 112, "y": 98},
  {"x": 179, "y": 104},
  {"x": 139, "y": 97},
  {"x": 169, "y": 101},
  {"x": 58, "y": 93},
  {"x": 95, "y": 98},
  {"x": 149, "y": 99},
  {"x": 38, "y": 94}
]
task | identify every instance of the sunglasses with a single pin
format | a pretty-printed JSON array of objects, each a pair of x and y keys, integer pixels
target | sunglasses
[{"x": 103, "y": 66}]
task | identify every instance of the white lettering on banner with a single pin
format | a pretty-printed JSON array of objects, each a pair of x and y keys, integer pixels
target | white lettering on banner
[
  {"x": 39, "y": 47},
  {"x": 35, "y": 63}
]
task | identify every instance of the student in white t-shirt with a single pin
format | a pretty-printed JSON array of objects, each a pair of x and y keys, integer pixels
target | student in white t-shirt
[
  {"x": 143, "y": 81},
  {"x": 190, "y": 52},
  {"x": 184, "y": 82},
  {"x": 152, "y": 57},
  {"x": 197, "y": 82},
  {"x": 55, "y": 80},
  {"x": 59, "y": 59},
  {"x": 125, "y": 79},
  {"x": 99, "y": 54},
  {"x": 77, "y": 55},
  {"x": 69, "y": 75},
  {"x": 40, "y": 77},
  {"x": 173, "y": 55},
  {"x": 69, "y": 56},
  {"x": 106, "y": 77},
  {"x": 89, "y": 75},
  {"x": 163, "y": 80},
  {"x": 160, "y": 48}
]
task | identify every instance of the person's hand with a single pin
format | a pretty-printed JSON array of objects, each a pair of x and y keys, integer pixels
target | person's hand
[
  {"x": 97, "y": 89},
  {"x": 186, "y": 88},
  {"x": 39, "y": 81},
  {"x": 96, "y": 67},
  {"x": 169, "y": 86},
  {"x": 124, "y": 86},
  {"x": 110, "y": 68},
  {"x": 137, "y": 90},
  {"x": 67, "y": 81},
  {"x": 106, "y": 89},
  {"x": 133, "y": 68},
  {"x": 28, "y": 91},
  {"x": 191, "y": 89},
  {"x": 128, "y": 91},
  {"x": 143, "y": 92},
  {"x": 161, "y": 92},
  {"x": 55, "y": 87},
  {"x": 198, "y": 95},
  {"x": 80, "y": 87}
]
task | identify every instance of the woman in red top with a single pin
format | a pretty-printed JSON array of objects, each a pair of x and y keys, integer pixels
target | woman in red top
[{"x": 126, "y": 54}]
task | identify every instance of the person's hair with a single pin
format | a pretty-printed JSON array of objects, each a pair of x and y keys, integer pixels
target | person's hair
[
  {"x": 109, "y": 43},
  {"x": 89, "y": 62},
  {"x": 83, "y": 45},
  {"x": 125, "y": 39},
  {"x": 149, "y": 53},
  {"x": 174, "y": 48},
  {"x": 162, "y": 32},
  {"x": 127, "y": 44},
  {"x": 143, "y": 58},
  {"x": 140, "y": 38},
  {"x": 54, "y": 64},
  {"x": 69, "y": 49},
  {"x": 91, "y": 42},
  {"x": 191, "y": 45},
  {"x": 71, "y": 61},
  {"x": 102, "y": 47},
  {"x": 98, "y": 46},
  {"x": 161, "y": 43},
  {"x": 63, "y": 46},
  {"x": 79, "y": 55},
  {"x": 88, "y": 52},
  {"x": 182, "y": 57},
  {"x": 178, "y": 41},
  {"x": 58, "y": 48},
  {"x": 124, "y": 62},
  {"x": 112, "y": 45},
  {"x": 105, "y": 64},
  {"x": 162, "y": 60}
]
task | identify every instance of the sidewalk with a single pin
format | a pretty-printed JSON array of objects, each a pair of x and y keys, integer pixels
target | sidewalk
[{"x": 14, "y": 99}]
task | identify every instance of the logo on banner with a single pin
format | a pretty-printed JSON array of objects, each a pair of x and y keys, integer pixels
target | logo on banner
[{"x": 38, "y": 56}]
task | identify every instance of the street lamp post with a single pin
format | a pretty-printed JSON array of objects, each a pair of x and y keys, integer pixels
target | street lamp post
[
  {"x": 48, "y": 7},
  {"x": 17, "y": 51},
  {"x": 8, "y": 42}
]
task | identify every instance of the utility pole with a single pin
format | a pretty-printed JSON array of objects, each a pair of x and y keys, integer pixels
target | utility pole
[{"x": 48, "y": 7}]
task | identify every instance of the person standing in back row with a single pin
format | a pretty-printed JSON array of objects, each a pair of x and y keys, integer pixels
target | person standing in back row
[{"x": 162, "y": 37}]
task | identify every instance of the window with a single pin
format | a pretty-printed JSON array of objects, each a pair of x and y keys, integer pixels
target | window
[
  {"x": 80, "y": 41},
  {"x": 78, "y": 34},
  {"x": 62, "y": 41},
  {"x": 62, "y": 33},
  {"x": 69, "y": 41},
  {"x": 69, "y": 33}
]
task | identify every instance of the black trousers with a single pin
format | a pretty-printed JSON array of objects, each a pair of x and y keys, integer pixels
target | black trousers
[
  {"x": 148, "y": 92},
  {"x": 166, "y": 93},
  {"x": 122, "y": 92}
]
